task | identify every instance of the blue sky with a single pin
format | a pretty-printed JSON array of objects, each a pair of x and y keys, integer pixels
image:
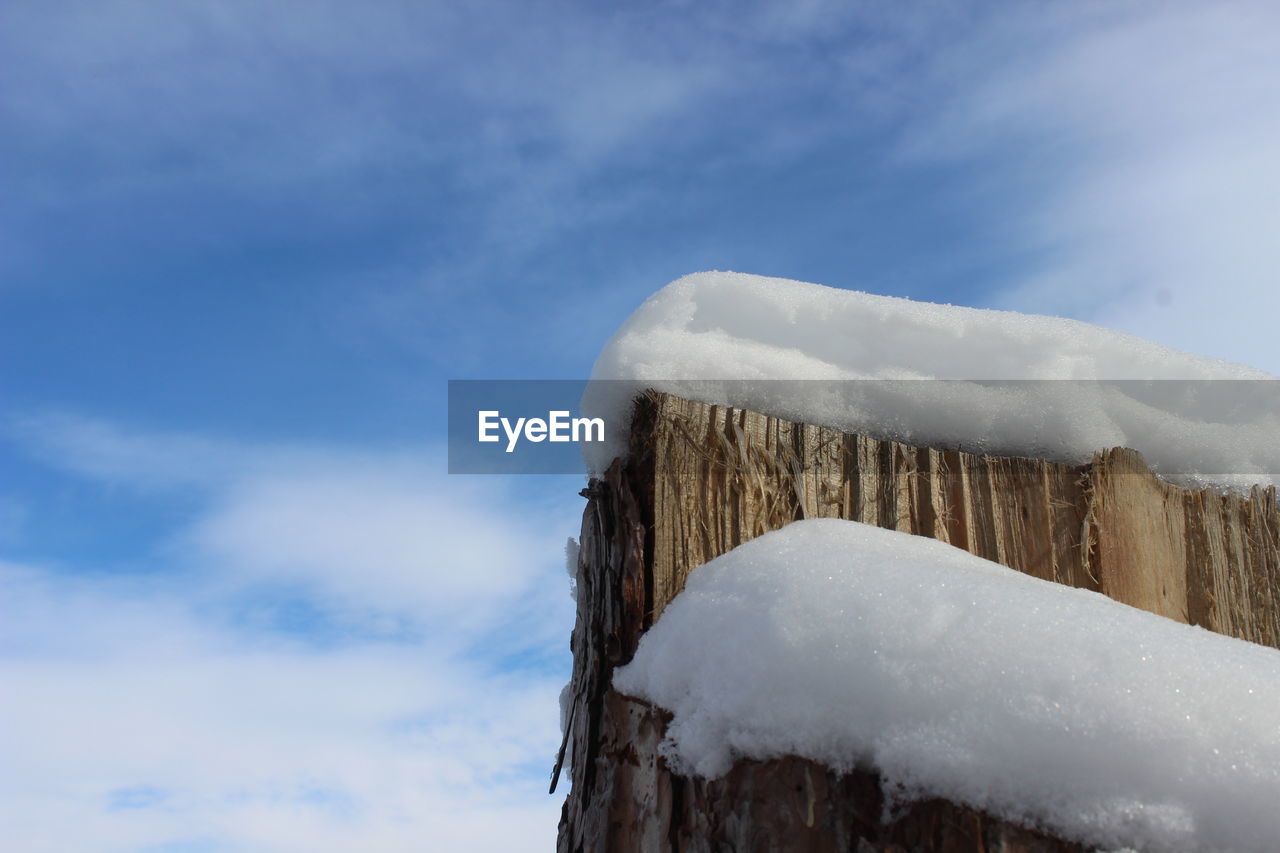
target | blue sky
[{"x": 244, "y": 245}]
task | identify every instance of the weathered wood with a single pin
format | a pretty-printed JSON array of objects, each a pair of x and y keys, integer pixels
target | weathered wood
[
  {"x": 702, "y": 479},
  {"x": 780, "y": 805},
  {"x": 612, "y": 596},
  {"x": 723, "y": 476}
]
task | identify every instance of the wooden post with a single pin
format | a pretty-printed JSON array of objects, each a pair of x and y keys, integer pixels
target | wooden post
[{"x": 702, "y": 479}]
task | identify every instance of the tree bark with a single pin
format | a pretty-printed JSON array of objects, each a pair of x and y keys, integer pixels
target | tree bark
[{"x": 702, "y": 479}]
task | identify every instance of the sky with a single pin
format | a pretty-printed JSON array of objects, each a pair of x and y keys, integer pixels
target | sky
[{"x": 244, "y": 245}]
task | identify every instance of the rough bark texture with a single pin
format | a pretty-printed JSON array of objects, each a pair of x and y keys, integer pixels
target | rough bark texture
[
  {"x": 702, "y": 479},
  {"x": 780, "y": 805}
]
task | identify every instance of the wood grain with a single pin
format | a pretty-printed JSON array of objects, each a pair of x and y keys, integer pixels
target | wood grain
[{"x": 701, "y": 479}]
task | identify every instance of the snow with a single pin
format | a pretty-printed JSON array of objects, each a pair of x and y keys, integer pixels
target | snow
[
  {"x": 959, "y": 678},
  {"x": 750, "y": 338}
]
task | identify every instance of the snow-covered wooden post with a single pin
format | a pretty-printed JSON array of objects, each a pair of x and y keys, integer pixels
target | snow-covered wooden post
[{"x": 701, "y": 479}]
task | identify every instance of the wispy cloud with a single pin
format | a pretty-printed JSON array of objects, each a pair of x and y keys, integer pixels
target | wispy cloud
[
  {"x": 190, "y": 704},
  {"x": 382, "y": 536},
  {"x": 1135, "y": 151},
  {"x": 150, "y": 461},
  {"x": 128, "y": 721},
  {"x": 467, "y": 142},
  {"x": 377, "y": 541}
]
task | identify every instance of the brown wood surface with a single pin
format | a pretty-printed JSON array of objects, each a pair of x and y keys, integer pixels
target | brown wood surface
[{"x": 702, "y": 479}]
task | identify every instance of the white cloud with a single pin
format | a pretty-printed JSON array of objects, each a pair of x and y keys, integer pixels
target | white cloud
[
  {"x": 161, "y": 708},
  {"x": 1138, "y": 146},
  {"x": 392, "y": 543},
  {"x": 177, "y": 730},
  {"x": 107, "y": 453},
  {"x": 264, "y": 95},
  {"x": 380, "y": 537}
]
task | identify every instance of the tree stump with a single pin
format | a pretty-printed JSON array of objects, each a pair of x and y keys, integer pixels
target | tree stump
[{"x": 701, "y": 479}]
